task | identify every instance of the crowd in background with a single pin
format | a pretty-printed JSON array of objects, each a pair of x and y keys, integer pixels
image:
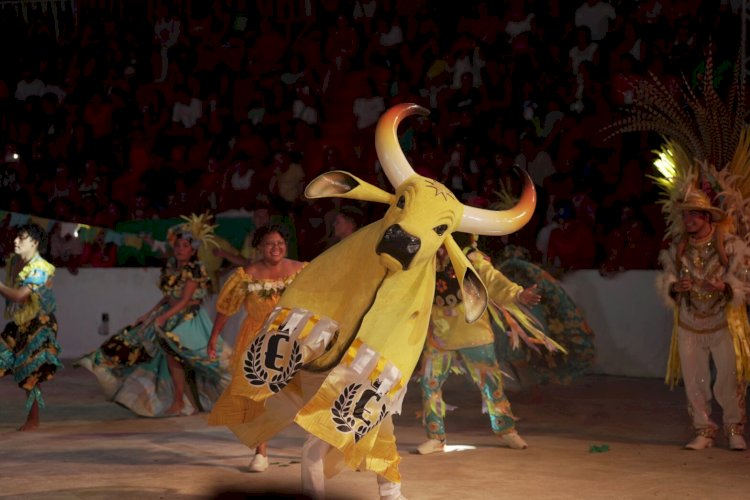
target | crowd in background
[{"x": 122, "y": 111}]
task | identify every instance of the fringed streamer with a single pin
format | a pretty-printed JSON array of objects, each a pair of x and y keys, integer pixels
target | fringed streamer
[
  {"x": 740, "y": 330},
  {"x": 520, "y": 321}
]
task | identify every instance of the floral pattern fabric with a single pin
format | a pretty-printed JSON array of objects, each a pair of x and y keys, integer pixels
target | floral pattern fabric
[
  {"x": 131, "y": 366},
  {"x": 562, "y": 320},
  {"x": 28, "y": 344},
  {"x": 481, "y": 365},
  {"x": 458, "y": 346}
]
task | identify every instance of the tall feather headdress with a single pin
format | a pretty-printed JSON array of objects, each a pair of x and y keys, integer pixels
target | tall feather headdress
[
  {"x": 706, "y": 143},
  {"x": 707, "y": 148},
  {"x": 197, "y": 228}
]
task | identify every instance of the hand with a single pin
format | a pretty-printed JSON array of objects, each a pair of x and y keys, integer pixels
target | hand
[
  {"x": 715, "y": 285},
  {"x": 529, "y": 296},
  {"x": 211, "y": 348},
  {"x": 159, "y": 321},
  {"x": 683, "y": 285}
]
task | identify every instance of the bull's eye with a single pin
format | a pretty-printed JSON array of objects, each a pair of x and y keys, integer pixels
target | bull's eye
[
  {"x": 401, "y": 202},
  {"x": 440, "y": 229}
]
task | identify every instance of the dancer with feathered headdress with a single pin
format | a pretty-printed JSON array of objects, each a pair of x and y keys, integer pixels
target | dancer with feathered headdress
[
  {"x": 703, "y": 170},
  {"x": 158, "y": 366}
]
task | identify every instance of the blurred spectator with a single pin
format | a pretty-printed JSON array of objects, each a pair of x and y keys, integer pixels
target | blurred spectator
[
  {"x": 498, "y": 86},
  {"x": 109, "y": 215},
  {"x": 268, "y": 48},
  {"x": 625, "y": 81},
  {"x": 517, "y": 19},
  {"x": 65, "y": 247},
  {"x": 460, "y": 172},
  {"x": 167, "y": 31},
  {"x": 583, "y": 50},
  {"x": 29, "y": 85},
  {"x": 62, "y": 186},
  {"x": 596, "y": 16},
  {"x": 98, "y": 253},
  {"x": 571, "y": 245},
  {"x": 342, "y": 44},
  {"x": 466, "y": 57},
  {"x": 210, "y": 188},
  {"x": 288, "y": 181},
  {"x": 306, "y": 106},
  {"x": 187, "y": 109},
  {"x": 534, "y": 160},
  {"x": 363, "y": 14},
  {"x": 630, "y": 245},
  {"x": 141, "y": 207},
  {"x": 542, "y": 237},
  {"x": 367, "y": 109},
  {"x": 88, "y": 183},
  {"x": 348, "y": 219},
  {"x": 105, "y": 93},
  {"x": 238, "y": 181}
]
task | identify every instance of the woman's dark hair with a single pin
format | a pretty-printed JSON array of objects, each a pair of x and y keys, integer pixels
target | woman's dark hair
[
  {"x": 353, "y": 213},
  {"x": 263, "y": 231},
  {"x": 36, "y": 233}
]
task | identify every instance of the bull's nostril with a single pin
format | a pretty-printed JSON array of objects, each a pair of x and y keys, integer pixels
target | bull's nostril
[{"x": 412, "y": 248}]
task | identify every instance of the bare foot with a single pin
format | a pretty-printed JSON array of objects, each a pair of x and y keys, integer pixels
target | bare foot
[
  {"x": 32, "y": 419},
  {"x": 29, "y": 425},
  {"x": 175, "y": 409}
]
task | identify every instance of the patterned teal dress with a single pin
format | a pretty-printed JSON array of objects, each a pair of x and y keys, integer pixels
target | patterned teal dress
[
  {"x": 561, "y": 319},
  {"x": 131, "y": 366},
  {"x": 28, "y": 344}
]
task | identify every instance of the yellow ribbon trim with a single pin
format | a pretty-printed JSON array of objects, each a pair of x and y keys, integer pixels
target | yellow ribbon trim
[
  {"x": 311, "y": 322},
  {"x": 379, "y": 367},
  {"x": 278, "y": 320},
  {"x": 740, "y": 330},
  {"x": 351, "y": 353}
]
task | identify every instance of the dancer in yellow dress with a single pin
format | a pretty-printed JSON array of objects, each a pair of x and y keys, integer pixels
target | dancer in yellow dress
[{"x": 258, "y": 288}]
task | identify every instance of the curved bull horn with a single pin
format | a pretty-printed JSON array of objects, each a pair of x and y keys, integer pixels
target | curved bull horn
[
  {"x": 395, "y": 165},
  {"x": 500, "y": 222}
]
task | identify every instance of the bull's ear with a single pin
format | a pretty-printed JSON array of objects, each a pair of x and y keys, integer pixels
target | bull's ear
[
  {"x": 473, "y": 291},
  {"x": 340, "y": 184}
]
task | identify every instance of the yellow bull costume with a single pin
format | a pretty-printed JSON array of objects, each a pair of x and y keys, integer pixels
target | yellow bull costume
[{"x": 336, "y": 354}]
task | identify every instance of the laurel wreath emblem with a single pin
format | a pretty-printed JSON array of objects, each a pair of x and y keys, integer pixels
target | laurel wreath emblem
[
  {"x": 257, "y": 375},
  {"x": 280, "y": 380},
  {"x": 341, "y": 413}
]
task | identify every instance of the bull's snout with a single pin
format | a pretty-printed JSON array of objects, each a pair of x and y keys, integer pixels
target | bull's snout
[{"x": 399, "y": 244}]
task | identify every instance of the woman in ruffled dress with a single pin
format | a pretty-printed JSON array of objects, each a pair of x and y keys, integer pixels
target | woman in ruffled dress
[
  {"x": 28, "y": 344},
  {"x": 256, "y": 287},
  {"x": 158, "y": 366}
]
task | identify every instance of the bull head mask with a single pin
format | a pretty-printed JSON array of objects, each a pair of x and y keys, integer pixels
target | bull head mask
[{"x": 423, "y": 213}]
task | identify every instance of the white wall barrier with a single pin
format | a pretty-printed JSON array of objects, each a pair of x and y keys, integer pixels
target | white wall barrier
[
  {"x": 123, "y": 293},
  {"x": 631, "y": 325}
]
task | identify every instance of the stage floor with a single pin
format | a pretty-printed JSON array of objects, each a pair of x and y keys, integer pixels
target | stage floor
[{"x": 599, "y": 438}]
